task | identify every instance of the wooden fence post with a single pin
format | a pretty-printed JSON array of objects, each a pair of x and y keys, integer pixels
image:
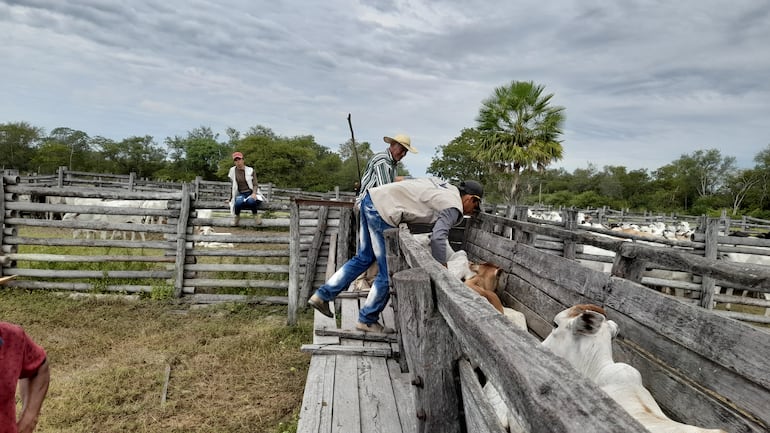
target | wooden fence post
[
  {"x": 570, "y": 223},
  {"x": 707, "y": 285},
  {"x": 131, "y": 181},
  {"x": 60, "y": 175},
  {"x": 628, "y": 266},
  {"x": 293, "y": 262},
  {"x": 346, "y": 240},
  {"x": 521, "y": 214},
  {"x": 431, "y": 352},
  {"x": 312, "y": 255},
  {"x": 181, "y": 240}
]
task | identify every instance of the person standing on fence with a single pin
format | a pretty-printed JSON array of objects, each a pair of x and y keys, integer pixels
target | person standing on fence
[
  {"x": 381, "y": 170},
  {"x": 24, "y": 363},
  {"x": 245, "y": 190},
  {"x": 421, "y": 201}
]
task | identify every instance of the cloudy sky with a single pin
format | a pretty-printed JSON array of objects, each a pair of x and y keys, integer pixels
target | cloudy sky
[{"x": 642, "y": 82}]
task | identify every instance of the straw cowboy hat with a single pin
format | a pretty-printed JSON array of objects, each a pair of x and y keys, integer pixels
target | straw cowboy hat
[{"x": 403, "y": 140}]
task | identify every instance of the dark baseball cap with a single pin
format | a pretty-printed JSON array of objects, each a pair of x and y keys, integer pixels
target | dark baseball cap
[{"x": 471, "y": 187}]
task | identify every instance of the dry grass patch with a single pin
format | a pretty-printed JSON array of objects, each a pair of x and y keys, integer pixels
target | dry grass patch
[{"x": 234, "y": 368}]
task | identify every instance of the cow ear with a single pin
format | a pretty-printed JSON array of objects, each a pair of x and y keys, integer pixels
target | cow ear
[
  {"x": 613, "y": 328},
  {"x": 589, "y": 322}
]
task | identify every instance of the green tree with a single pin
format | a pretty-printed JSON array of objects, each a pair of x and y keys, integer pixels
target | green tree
[
  {"x": 140, "y": 155},
  {"x": 759, "y": 196},
  {"x": 77, "y": 144},
  {"x": 19, "y": 142},
  {"x": 519, "y": 131},
  {"x": 739, "y": 186},
  {"x": 353, "y": 163},
  {"x": 698, "y": 175},
  {"x": 198, "y": 154},
  {"x": 456, "y": 160}
]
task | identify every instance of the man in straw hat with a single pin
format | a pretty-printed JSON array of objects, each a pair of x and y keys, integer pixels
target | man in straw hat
[
  {"x": 381, "y": 168},
  {"x": 420, "y": 201}
]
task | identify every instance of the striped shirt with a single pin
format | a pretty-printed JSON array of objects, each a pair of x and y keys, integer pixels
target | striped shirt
[{"x": 380, "y": 170}]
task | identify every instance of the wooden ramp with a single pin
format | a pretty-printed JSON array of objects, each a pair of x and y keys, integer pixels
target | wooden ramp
[{"x": 354, "y": 383}]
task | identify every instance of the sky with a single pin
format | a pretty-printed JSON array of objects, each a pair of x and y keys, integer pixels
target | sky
[{"x": 642, "y": 82}]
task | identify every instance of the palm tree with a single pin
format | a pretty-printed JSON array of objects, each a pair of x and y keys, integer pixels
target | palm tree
[{"x": 519, "y": 131}]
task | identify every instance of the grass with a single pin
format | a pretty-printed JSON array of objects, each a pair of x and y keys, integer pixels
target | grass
[{"x": 233, "y": 368}]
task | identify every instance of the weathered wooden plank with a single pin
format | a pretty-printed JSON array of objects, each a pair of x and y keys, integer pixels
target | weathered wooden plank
[
  {"x": 204, "y": 298},
  {"x": 359, "y": 349},
  {"x": 349, "y": 315},
  {"x": 545, "y": 267},
  {"x": 480, "y": 417},
  {"x": 316, "y": 412},
  {"x": 212, "y": 282},
  {"x": 294, "y": 304},
  {"x": 312, "y": 255},
  {"x": 355, "y": 335},
  {"x": 181, "y": 243},
  {"x": 404, "y": 392},
  {"x": 375, "y": 392},
  {"x": 347, "y": 415},
  {"x": 684, "y": 400},
  {"x": 241, "y": 267},
  {"x": 756, "y": 276},
  {"x": 49, "y": 273}
]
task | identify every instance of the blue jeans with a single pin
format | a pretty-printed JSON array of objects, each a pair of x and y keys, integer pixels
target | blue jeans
[
  {"x": 371, "y": 247},
  {"x": 244, "y": 200}
]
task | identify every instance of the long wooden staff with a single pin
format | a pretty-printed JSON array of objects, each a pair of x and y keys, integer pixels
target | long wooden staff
[{"x": 355, "y": 151}]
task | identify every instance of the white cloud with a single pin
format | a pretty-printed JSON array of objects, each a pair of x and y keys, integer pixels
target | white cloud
[{"x": 642, "y": 82}]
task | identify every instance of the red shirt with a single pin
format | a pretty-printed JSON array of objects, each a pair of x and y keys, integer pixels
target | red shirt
[{"x": 20, "y": 358}]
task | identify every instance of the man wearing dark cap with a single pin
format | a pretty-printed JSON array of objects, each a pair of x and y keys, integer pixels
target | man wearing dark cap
[{"x": 420, "y": 201}]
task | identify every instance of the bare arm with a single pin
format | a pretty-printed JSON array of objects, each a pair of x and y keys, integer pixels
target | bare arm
[{"x": 33, "y": 391}]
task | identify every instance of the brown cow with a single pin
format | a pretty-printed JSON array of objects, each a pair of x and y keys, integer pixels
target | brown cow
[{"x": 485, "y": 282}]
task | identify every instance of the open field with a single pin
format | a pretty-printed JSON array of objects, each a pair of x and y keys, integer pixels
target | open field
[{"x": 233, "y": 368}]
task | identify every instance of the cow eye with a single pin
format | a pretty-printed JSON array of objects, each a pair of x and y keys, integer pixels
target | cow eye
[{"x": 555, "y": 325}]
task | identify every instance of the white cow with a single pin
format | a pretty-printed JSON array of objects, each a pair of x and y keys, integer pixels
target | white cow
[
  {"x": 754, "y": 259},
  {"x": 583, "y": 337},
  {"x": 208, "y": 231}
]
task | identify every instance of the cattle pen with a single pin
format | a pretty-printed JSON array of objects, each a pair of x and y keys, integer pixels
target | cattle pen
[
  {"x": 98, "y": 233},
  {"x": 705, "y": 363},
  {"x": 702, "y": 367}
]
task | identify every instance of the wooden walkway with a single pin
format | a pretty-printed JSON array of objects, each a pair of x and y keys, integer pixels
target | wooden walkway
[{"x": 354, "y": 383}]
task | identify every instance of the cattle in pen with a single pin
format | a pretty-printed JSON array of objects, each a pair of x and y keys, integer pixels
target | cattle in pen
[{"x": 582, "y": 335}]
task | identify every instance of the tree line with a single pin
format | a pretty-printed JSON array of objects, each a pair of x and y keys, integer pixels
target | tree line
[{"x": 516, "y": 138}]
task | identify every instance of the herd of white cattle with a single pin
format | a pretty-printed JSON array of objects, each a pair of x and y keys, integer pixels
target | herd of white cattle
[
  {"x": 92, "y": 214},
  {"x": 680, "y": 230},
  {"x": 108, "y": 217}
]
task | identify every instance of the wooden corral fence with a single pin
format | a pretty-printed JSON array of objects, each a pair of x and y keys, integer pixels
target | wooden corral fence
[
  {"x": 663, "y": 268},
  {"x": 702, "y": 368},
  {"x": 117, "y": 240}
]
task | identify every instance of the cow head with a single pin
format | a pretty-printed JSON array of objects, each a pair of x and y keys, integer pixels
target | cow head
[
  {"x": 487, "y": 275},
  {"x": 583, "y": 336}
]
